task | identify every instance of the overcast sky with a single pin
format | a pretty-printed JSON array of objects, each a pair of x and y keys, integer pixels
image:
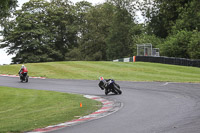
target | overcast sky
[{"x": 5, "y": 59}]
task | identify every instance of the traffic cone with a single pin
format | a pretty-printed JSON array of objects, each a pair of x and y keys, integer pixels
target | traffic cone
[{"x": 81, "y": 105}]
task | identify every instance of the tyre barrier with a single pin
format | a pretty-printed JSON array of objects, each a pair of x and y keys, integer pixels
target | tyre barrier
[
  {"x": 163, "y": 60},
  {"x": 169, "y": 60}
]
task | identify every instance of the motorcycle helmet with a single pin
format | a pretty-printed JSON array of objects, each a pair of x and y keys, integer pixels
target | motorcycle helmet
[
  {"x": 101, "y": 78},
  {"x": 22, "y": 67}
]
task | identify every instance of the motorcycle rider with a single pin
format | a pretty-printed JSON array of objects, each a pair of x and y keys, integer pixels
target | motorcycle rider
[
  {"x": 103, "y": 84},
  {"x": 23, "y": 71},
  {"x": 109, "y": 85}
]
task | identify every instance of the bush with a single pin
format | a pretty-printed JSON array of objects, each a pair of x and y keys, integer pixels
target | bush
[{"x": 184, "y": 44}]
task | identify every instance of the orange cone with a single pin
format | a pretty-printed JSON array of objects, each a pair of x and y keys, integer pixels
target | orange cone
[{"x": 81, "y": 105}]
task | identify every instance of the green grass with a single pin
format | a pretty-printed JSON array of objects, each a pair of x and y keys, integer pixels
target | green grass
[
  {"x": 25, "y": 110},
  {"x": 89, "y": 70}
]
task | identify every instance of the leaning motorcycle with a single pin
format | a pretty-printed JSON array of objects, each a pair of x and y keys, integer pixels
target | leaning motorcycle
[
  {"x": 24, "y": 77},
  {"x": 109, "y": 85}
]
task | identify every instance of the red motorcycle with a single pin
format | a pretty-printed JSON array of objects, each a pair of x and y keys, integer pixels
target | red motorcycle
[{"x": 23, "y": 77}]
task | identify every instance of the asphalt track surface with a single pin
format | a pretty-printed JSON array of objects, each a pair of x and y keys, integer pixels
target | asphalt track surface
[{"x": 148, "y": 107}]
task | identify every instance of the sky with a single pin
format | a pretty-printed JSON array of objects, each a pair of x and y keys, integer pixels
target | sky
[{"x": 6, "y": 59}]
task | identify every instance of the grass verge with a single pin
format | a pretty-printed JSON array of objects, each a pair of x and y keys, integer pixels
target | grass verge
[
  {"x": 90, "y": 70},
  {"x": 25, "y": 110}
]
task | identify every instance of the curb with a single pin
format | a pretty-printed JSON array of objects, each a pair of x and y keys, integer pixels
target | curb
[
  {"x": 108, "y": 108},
  {"x": 16, "y": 76}
]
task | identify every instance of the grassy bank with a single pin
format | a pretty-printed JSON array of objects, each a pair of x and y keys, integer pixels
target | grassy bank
[
  {"x": 24, "y": 110},
  {"x": 138, "y": 71}
]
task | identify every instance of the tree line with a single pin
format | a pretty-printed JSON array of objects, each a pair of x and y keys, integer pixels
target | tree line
[{"x": 60, "y": 30}]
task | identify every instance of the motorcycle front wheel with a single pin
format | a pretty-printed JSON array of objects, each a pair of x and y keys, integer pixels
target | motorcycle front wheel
[
  {"x": 117, "y": 89},
  {"x": 27, "y": 78}
]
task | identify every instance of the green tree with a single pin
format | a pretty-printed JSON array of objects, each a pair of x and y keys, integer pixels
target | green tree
[
  {"x": 162, "y": 15},
  {"x": 24, "y": 36},
  {"x": 119, "y": 40},
  {"x": 184, "y": 44},
  {"x": 6, "y": 8},
  {"x": 81, "y": 10},
  {"x": 61, "y": 21},
  {"x": 106, "y": 32},
  {"x": 178, "y": 22},
  {"x": 189, "y": 17},
  {"x": 95, "y": 31},
  {"x": 41, "y": 32},
  {"x": 194, "y": 45}
]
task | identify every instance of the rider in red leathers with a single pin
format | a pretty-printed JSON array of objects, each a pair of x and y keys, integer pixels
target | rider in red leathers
[{"x": 23, "y": 71}]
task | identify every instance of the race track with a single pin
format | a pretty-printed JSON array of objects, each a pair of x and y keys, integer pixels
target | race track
[{"x": 148, "y": 107}]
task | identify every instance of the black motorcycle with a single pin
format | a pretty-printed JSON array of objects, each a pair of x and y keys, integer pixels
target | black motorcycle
[
  {"x": 109, "y": 85},
  {"x": 23, "y": 77}
]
